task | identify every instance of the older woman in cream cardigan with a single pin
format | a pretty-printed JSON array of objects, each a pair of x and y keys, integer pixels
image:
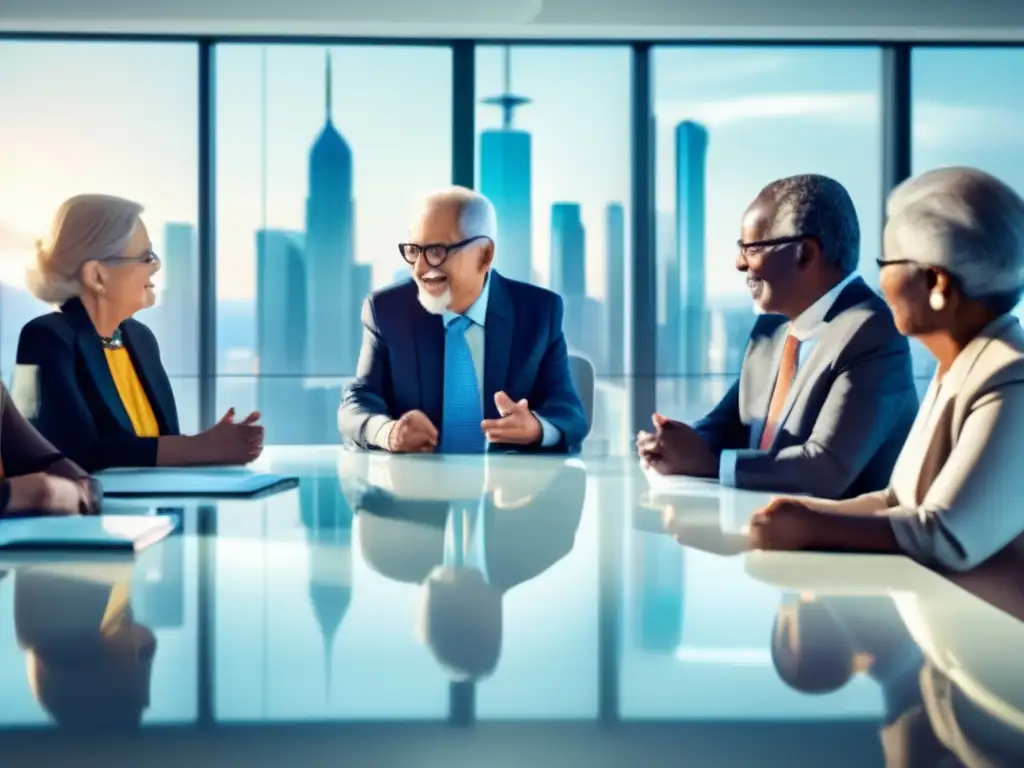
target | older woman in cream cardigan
[{"x": 953, "y": 272}]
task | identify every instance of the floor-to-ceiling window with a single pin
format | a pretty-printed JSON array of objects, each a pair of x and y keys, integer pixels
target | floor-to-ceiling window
[
  {"x": 553, "y": 155},
  {"x": 117, "y": 118},
  {"x": 967, "y": 108},
  {"x": 322, "y": 154},
  {"x": 729, "y": 120}
]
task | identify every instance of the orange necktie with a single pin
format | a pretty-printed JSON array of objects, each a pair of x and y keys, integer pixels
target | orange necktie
[{"x": 783, "y": 383}]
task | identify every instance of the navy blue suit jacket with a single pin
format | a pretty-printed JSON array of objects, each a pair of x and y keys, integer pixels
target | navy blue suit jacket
[
  {"x": 401, "y": 363},
  {"x": 77, "y": 406}
]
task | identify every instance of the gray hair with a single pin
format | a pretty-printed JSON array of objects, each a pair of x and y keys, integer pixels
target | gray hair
[
  {"x": 85, "y": 227},
  {"x": 476, "y": 213},
  {"x": 820, "y": 207},
  {"x": 966, "y": 222}
]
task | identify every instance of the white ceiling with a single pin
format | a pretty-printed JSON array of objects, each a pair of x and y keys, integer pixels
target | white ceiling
[{"x": 994, "y": 20}]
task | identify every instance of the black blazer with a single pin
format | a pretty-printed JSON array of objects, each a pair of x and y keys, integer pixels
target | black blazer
[{"x": 76, "y": 404}]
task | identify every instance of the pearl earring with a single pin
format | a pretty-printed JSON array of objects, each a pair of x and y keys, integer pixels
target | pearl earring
[{"x": 937, "y": 301}]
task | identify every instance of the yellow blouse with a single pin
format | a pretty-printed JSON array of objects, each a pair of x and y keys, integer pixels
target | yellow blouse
[{"x": 133, "y": 396}]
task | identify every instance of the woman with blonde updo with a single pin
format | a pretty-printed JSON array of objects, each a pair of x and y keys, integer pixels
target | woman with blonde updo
[{"x": 89, "y": 376}]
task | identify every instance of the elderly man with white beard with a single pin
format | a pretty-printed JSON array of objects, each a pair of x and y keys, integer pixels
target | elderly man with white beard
[{"x": 461, "y": 359}]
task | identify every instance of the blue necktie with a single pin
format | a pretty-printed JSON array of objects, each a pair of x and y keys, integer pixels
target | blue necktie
[{"x": 460, "y": 420}]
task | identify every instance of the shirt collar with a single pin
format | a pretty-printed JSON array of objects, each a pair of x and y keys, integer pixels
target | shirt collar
[
  {"x": 812, "y": 319},
  {"x": 477, "y": 311}
]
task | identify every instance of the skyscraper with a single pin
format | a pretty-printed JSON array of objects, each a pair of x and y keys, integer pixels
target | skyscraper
[
  {"x": 615, "y": 290},
  {"x": 568, "y": 247},
  {"x": 582, "y": 323},
  {"x": 330, "y": 244},
  {"x": 687, "y": 272},
  {"x": 281, "y": 333},
  {"x": 506, "y": 180},
  {"x": 177, "y": 311}
]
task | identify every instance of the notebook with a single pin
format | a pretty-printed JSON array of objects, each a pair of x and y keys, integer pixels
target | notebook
[
  {"x": 204, "y": 482},
  {"x": 77, "y": 534}
]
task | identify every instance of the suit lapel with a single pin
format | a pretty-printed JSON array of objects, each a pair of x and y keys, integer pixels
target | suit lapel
[
  {"x": 151, "y": 375},
  {"x": 498, "y": 331},
  {"x": 940, "y": 445},
  {"x": 430, "y": 363},
  {"x": 825, "y": 345},
  {"x": 91, "y": 351},
  {"x": 778, "y": 343}
]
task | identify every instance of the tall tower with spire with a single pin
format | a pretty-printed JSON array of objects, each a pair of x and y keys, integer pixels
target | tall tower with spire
[
  {"x": 506, "y": 178},
  {"x": 330, "y": 245}
]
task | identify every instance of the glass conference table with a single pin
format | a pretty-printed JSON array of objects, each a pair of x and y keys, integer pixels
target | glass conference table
[{"x": 585, "y": 618}]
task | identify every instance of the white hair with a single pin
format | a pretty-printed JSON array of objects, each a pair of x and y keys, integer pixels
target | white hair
[
  {"x": 964, "y": 221},
  {"x": 85, "y": 227},
  {"x": 476, "y": 213},
  {"x": 476, "y": 218}
]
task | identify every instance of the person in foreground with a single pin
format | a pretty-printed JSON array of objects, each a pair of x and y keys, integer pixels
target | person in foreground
[
  {"x": 34, "y": 477},
  {"x": 89, "y": 375},
  {"x": 826, "y": 395},
  {"x": 461, "y": 359},
  {"x": 953, "y": 273}
]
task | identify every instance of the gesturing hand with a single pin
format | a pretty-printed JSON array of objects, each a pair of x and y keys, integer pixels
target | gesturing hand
[
  {"x": 229, "y": 418},
  {"x": 517, "y": 425},
  {"x": 413, "y": 433}
]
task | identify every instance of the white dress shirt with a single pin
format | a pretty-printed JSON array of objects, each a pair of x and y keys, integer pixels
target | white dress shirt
[{"x": 806, "y": 328}]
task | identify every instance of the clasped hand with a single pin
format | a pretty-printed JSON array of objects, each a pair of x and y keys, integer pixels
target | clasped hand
[
  {"x": 413, "y": 432},
  {"x": 675, "y": 448},
  {"x": 785, "y": 524}
]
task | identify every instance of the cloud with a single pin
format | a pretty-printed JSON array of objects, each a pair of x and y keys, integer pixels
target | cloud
[
  {"x": 937, "y": 124},
  {"x": 862, "y": 108},
  {"x": 691, "y": 70}
]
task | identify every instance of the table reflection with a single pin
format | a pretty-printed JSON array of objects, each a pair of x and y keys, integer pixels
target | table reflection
[
  {"x": 492, "y": 550},
  {"x": 954, "y": 692},
  {"x": 698, "y": 628},
  {"x": 68, "y": 627}
]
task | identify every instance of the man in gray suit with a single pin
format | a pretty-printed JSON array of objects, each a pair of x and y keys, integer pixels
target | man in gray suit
[{"x": 826, "y": 395}]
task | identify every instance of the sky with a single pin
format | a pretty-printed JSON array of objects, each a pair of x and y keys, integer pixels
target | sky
[{"x": 121, "y": 118}]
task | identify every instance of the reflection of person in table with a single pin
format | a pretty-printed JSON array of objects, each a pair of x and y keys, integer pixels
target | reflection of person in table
[
  {"x": 953, "y": 272},
  {"x": 819, "y": 644},
  {"x": 88, "y": 662},
  {"x": 825, "y": 395},
  {"x": 466, "y": 554}
]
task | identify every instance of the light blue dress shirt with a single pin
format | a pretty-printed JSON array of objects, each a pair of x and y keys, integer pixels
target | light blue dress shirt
[
  {"x": 477, "y": 313},
  {"x": 806, "y": 328}
]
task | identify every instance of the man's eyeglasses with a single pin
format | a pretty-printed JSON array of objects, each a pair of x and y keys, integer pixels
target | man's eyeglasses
[
  {"x": 759, "y": 246},
  {"x": 436, "y": 254},
  {"x": 146, "y": 257}
]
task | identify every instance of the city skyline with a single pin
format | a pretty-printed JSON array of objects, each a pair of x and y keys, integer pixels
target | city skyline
[{"x": 972, "y": 122}]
